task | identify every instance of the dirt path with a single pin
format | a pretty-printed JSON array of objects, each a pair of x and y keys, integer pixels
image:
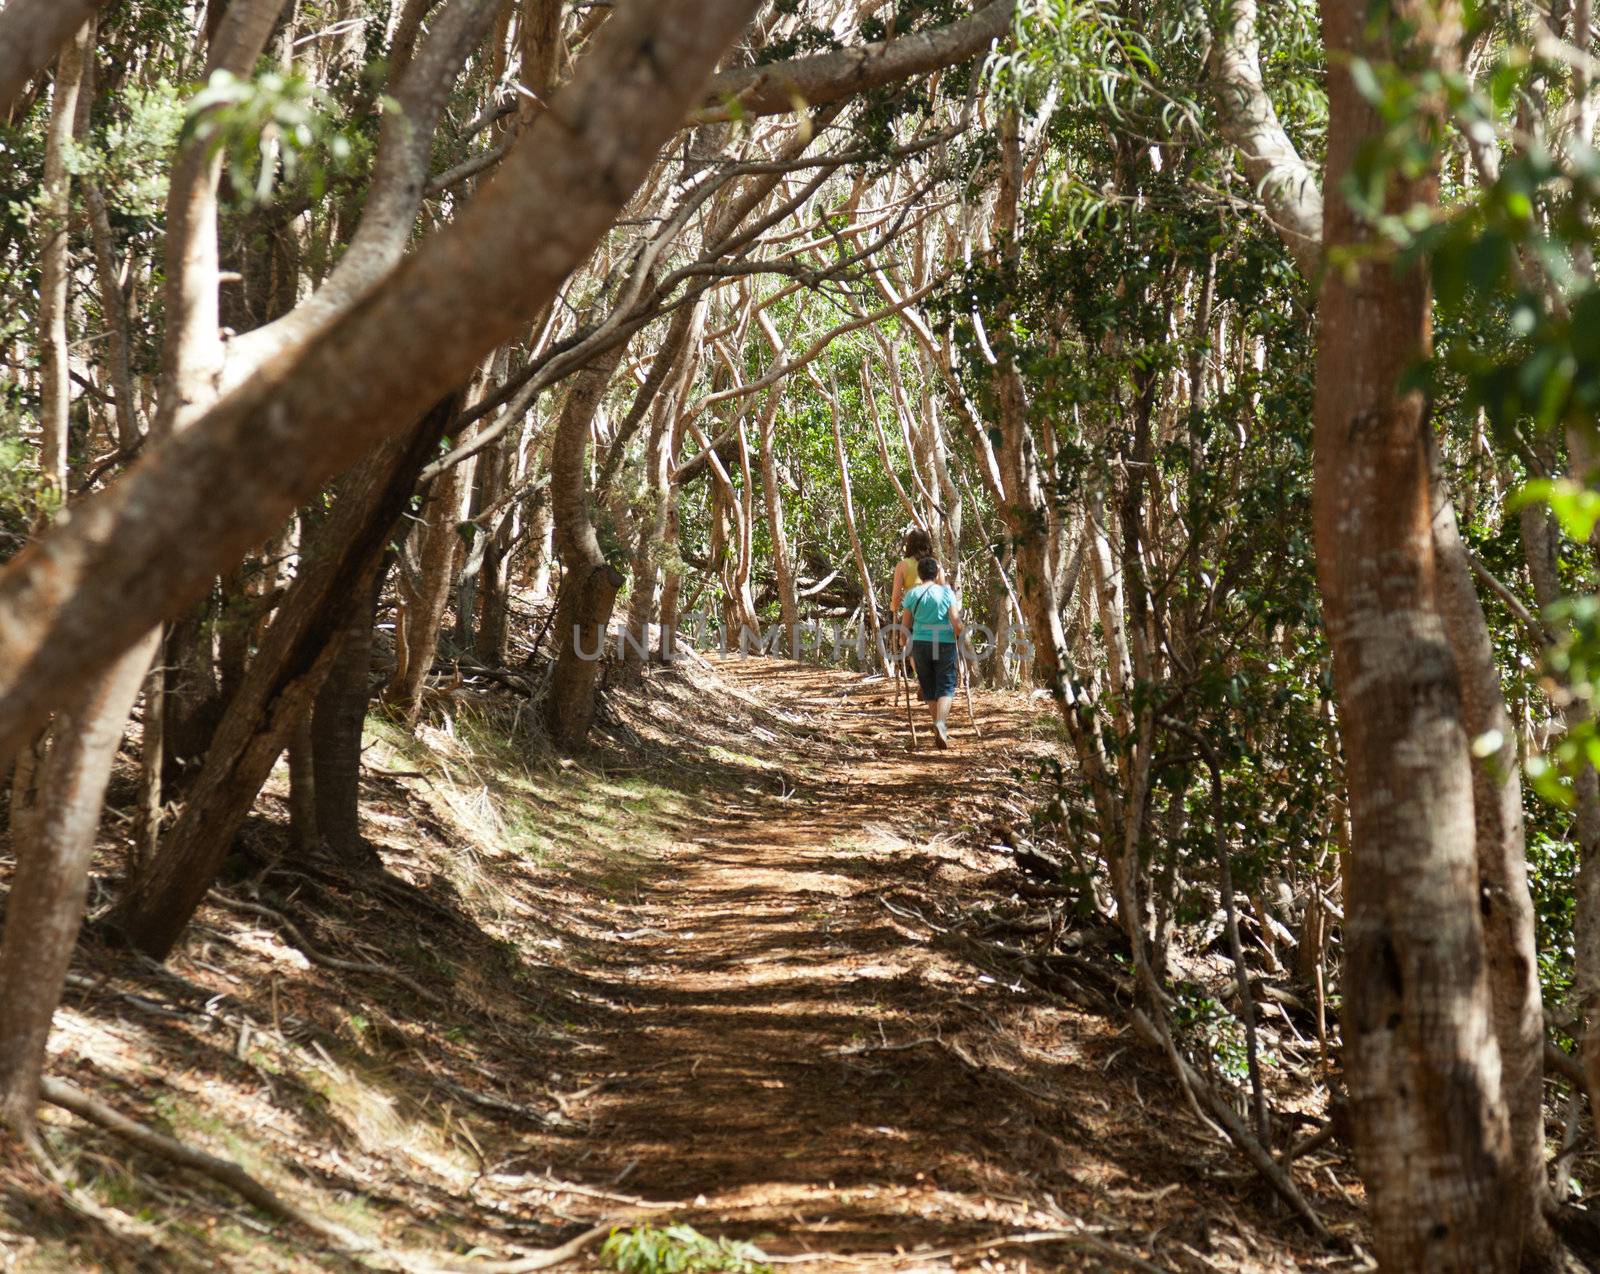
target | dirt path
[
  {"x": 805, "y": 1059},
  {"x": 752, "y": 965}
]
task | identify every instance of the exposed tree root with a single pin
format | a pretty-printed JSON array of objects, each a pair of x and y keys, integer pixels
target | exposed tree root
[
  {"x": 1239, "y": 1133},
  {"x": 292, "y": 932}
]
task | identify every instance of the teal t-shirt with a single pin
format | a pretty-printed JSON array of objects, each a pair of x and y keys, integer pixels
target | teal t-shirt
[{"x": 930, "y": 606}]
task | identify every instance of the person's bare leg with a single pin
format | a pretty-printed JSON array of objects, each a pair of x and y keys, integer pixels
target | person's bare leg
[{"x": 940, "y": 709}]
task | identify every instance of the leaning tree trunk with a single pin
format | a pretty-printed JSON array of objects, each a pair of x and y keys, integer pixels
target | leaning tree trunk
[
  {"x": 45, "y": 906},
  {"x": 1504, "y": 899},
  {"x": 589, "y": 582},
  {"x": 296, "y": 652},
  {"x": 153, "y": 539},
  {"x": 1430, "y": 1126}
]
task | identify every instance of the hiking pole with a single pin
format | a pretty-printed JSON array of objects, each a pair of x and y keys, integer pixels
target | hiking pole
[
  {"x": 911, "y": 720},
  {"x": 966, "y": 682},
  {"x": 899, "y": 680}
]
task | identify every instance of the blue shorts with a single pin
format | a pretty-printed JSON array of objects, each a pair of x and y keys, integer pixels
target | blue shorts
[{"x": 936, "y": 673}]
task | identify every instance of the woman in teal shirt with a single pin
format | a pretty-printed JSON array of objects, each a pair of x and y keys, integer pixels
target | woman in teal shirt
[{"x": 933, "y": 617}]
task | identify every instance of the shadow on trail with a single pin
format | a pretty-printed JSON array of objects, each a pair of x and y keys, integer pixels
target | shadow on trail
[
  {"x": 729, "y": 1018},
  {"x": 815, "y": 1073}
]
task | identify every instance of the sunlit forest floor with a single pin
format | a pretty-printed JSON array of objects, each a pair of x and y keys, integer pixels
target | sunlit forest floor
[{"x": 753, "y": 966}]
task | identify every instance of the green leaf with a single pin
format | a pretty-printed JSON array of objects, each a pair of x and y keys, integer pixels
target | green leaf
[{"x": 1576, "y": 507}]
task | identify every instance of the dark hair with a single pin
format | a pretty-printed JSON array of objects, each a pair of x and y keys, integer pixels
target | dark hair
[
  {"x": 918, "y": 544},
  {"x": 928, "y": 569}
]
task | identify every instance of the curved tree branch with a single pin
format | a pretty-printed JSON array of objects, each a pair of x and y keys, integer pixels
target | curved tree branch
[
  {"x": 32, "y": 32},
  {"x": 787, "y": 86},
  {"x": 1285, "y": 182}
]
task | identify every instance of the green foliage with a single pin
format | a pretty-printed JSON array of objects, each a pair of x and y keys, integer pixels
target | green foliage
[
  {"x": 24, "y": 496},
  {"x": 1213, "y": 1033},
  {"x": 679, "y": 1249},
  {"x": 132, "y": 155},
  {"x": 1552, "y": 876},
  {"x": 274, "y": 129},
  {"x": 1085, "y": 53}
]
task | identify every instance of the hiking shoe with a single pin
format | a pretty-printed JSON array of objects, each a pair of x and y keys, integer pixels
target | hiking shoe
[{"x": 941, "y": 736}]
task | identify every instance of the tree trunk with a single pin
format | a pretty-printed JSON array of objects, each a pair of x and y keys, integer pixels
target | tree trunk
[
  {"x": 114, "y": 306},
  {"x": 296, "y": 653},
  {"x": 1504, "y": 899},
  {"x": 424, "y": 600},
  {"x": 192, "y": 351},
  {"x": 1023, "y": 508},
  {"x": 192, "y": 701},
  {"x": 590, "y": 583},
  {"x": 304, "y": 834},
  {"x": 152, "y": 756},
  {"x": 494, "y": 475},
  {"x": 671, "y": 577},
  {"x": 1431, "y": 1128},
  {"x": 541, "y": 527},
  {"x": 45, "y": 906},
  {"x": 540, "y": 39},
  {"x": 337, "y": 719},
  {"x": 772, "y": 498},
  {"x": 1540, "y": 538},
  {"x": 55, "y": 265},
  {"x": 145, "y": 548},
  {"x": 647, "y": 555},
  {"x": 1250, "y": 121},
  {"x": 31, "y": 34},
  {"x": 868, "y": 591}
]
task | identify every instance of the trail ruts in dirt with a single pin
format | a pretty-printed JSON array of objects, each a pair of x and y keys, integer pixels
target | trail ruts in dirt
[{"x": 809, "y": 1059}]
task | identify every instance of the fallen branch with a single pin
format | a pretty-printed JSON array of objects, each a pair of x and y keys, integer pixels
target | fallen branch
[
  {"x": 228, "y": 1173},
  {"x": 1238, "y": 1132},
  {"x": 1080, "y": 1239},
  {"x": 855, "y": 1050},
  {"x": 1306, "y": 1145},
  {"x": 545, "y": 1260},
  {"x": 224, "y": 1171},
  {"x": 327, "y": 961},
  {"x": 500, "y": 1105}
]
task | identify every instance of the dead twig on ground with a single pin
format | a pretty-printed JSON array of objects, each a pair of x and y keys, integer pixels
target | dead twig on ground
[
  {"x": 228, "y": 1173},
  {"x": 223, "y": 1171},
  {"x": 292, "y": 932},
  {"x": 1080, "y": 1239}
]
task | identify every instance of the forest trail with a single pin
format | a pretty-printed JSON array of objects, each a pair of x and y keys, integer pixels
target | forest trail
[
  {"x": 807, "y": 1058},
  {"x": 751, "y": 966}
]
